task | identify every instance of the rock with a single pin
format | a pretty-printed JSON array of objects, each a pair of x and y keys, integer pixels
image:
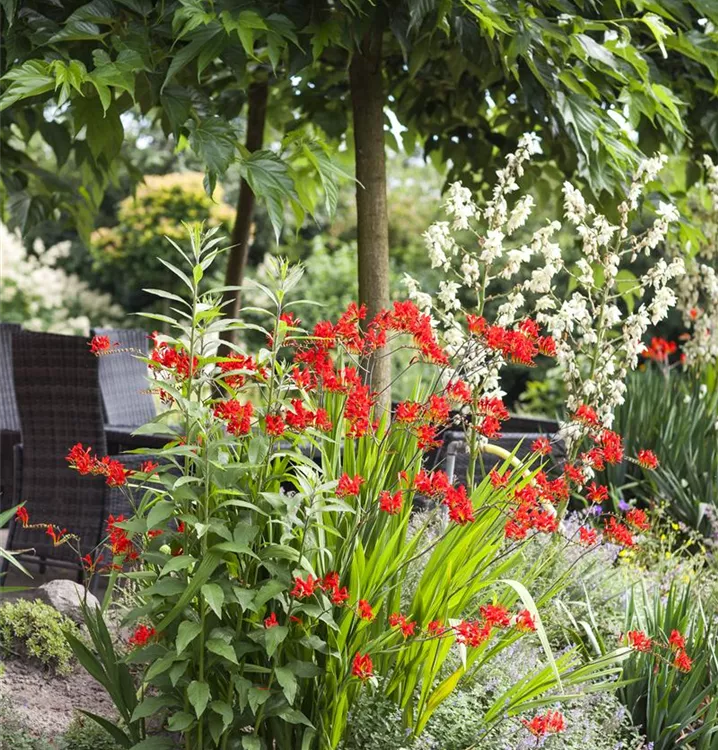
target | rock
[{"x": 66, "y": 596}]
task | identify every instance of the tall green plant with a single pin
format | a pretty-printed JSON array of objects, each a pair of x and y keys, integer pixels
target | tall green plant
[{"x": 273, "y": 538}]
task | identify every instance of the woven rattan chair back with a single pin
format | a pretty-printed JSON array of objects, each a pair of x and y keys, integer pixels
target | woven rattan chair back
[
  {"x": 123, "y": 379},
  {"x": 58, "y": 398}
]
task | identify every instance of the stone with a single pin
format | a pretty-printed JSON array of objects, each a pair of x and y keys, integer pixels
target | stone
[{"x": 66, "y": 597}]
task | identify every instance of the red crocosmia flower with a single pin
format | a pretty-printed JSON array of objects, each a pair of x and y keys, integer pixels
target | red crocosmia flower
[
  {"x": 597, "y": 493},
  {"x": 362, "y": 666},
  {"x": 461, "y": 511},
  {"x": 339, "y": 596},
  {"x": 490, "y": 427},
  {"x": 274, "y": 425},
  {"x": 89, "y": 564},
  {"x": 114, "y": 471},
  {"x": 407, "y": 628},
  {"x": 552, "y": 722},
  {"x": 57, "y": 535},
  {"x": 476, "y": 324},
  {"x": 148, "y": 467},
  {"x": 514, "y": 530},
  {"x": 530, "y": 328},
  {"x": 408, "y": 412},
  {"x": 237, "y": 368},
  {"x": 427, "y": 438},
  {"x": 322, "y": 421},
  {"x": 676, "y": 641},
  {"x": 639, "y": 641},
  {"x": 22, "y": 516},
  {"x": 586, "y": 415},
  {"x": 525, "y": 621},
  {"x": 296, "y": 620},
  {"x": 302, "y": 588},
  {"x": 364, "y": 610},
  {"x": 80, "y": 459},
  {"x": 682, "y": 662},
  {"x": 694, "y": 312},
  {"x": 99, "y": 345},
  {"x": 142, "y": 636},
  {"x": 638, "y": 519},
  {"x": 349, "y": 486},
  {"x": 436, "y": 409},
  {"x": 237, "y": 416},
  {"x": 611, "y": 446},
  {"x": 573, "y": 473},
  {"x": 618, "y": 533},
  {"x": 180, "y": 527},
  {"x": 472, "y": 633},
  {"x": 330, "y": 581},
  {"x": 546, "y": 345},
  {"x": 495, "y": 615},
  {"x": 435, "y": 627},
  {"x": 499, "y": 480},
  {"x": 541, "y": 446},
  {"x": 153, "y": 533},
  {"x": 587, "y": 536},
  {"x": 660, "y": 349},
  {"x": 492, "y": 407},
  {"x": 389, "y": 503},
  {"x": 458, "y": 390},
  {"x": 271, "y": 621},
  {"x": 647, "y": 459}
]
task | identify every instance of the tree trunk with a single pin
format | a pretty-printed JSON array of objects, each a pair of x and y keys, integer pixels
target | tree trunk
[
  {"x": 240, "y": 237},
  {"x": 367, "y": 93}
]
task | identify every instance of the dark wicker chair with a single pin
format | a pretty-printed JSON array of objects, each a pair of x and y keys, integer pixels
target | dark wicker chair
[
  {"x": 9, "y": 419},
  {"x": 123, "y": 379},
  {"x": 58, "y": 398}
]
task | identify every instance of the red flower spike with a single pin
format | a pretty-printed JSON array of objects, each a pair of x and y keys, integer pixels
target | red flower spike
[
  {"x": 647, "y": 459},
  {"x": 638, "y": 519},
  {"x": 541, "y": 446},
  {"x": 586, "y": 415},
  {"x": 364, "y": 610},
  {"x": 99, "y": 345},
  {"x": 495, "y": 615},
  {"x": 142, "y": 636},
  {"x": 22, "y": 517},
  {"x": 682, "y": 662},
  {"x": 271, "y": 621},
  {"x": 676, "y": 641},
  {"x": 436, "y": 628},
  {"x": 303, "y": 589},
  {"x": 660, "y": 350},
  {"x": 587, "y": 536},
  {"x": 389, "y": 503},
  {"x": 597, "y": 493},
  {"x": 349, "y": 486},
  {"x": 618, "y": 533},
  {"x": 274, "y": 425},
  {"x": 639, "y": 641},
  {"x": 362, "y": 666},
  {"x": 525, "y": 622},
  {"x": 472, "y": 633},
  {"x": 552, "y": 722}
]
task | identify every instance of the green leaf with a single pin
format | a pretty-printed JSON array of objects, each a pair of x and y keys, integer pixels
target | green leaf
[
  {"x": 180, "y": 721},
  {"x": 159, "y": 513},
  {"x": 223, "y": 649},
  {"x": 273, "y": 637},
  {"x": 251, "y": 743},
  {"x": 155, "y": 743},
  {"x": 214, "y": 596},
  {"x": 285, "y": 677},
  {"x": 659, "y": 29},
  {"x": 186, "y": 633},
  {"x": 214, "y": 141},
  {"x": 151, "y": 705},
  {"x": 178, "y": 563},
  {"x": 198, "y": 695},
  {"x": 32, "y": 78},
  {"x": 224, "y": 710},
  {"x": 197, "y": 40}
]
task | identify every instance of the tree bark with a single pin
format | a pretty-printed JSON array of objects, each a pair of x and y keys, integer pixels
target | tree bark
[
  {"x": 240, "y": 237},
  {"x": 367, "y": 94}
]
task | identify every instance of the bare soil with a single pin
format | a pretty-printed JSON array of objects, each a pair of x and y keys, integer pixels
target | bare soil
[{"x": 46, "y": 702}]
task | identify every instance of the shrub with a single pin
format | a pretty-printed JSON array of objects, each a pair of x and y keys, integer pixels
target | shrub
[
  {"x": 133, "y": 250},
  {"x": 36, "y": 630},
  {"x": 36, "y": 291},
  {"x": 85, "y": 734}
]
